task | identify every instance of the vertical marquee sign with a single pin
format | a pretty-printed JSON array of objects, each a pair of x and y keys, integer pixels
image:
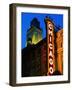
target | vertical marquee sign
[{"x": 50, "y": 46}]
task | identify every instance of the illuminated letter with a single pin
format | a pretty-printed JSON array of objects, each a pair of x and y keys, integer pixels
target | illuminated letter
[
  {"x": 51, "y": 70},
  {"x": 51, "y": 61}
]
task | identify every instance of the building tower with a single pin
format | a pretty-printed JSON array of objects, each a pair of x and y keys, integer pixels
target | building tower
[{"x": 34, "y": 33}]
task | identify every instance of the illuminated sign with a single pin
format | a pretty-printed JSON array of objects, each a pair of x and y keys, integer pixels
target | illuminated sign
[{"x": 50, "y": 48}]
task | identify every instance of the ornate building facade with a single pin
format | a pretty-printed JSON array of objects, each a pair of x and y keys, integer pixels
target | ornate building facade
[{"x": 59, "y": 42}]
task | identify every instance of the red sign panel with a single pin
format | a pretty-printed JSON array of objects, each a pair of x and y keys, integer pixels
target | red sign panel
[{"x": 50, "y": 48}]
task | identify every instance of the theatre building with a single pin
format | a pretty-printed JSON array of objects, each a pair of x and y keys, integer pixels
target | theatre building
[{"x": 43, "y": 57}]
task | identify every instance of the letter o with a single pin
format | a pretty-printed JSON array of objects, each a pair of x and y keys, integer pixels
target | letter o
[
  {"x": 51, "y": 70},
  {"x": 51, "y": 61}
]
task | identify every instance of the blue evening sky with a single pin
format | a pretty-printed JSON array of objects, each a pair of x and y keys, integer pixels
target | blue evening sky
[{"x": 26, "y": 18}]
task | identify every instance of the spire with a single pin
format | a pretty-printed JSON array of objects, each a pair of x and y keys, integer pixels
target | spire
[{"x": 35, "y": 23}]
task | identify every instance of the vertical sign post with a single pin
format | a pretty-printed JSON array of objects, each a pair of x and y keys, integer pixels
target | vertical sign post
[{"x": 50, "y": 46}]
